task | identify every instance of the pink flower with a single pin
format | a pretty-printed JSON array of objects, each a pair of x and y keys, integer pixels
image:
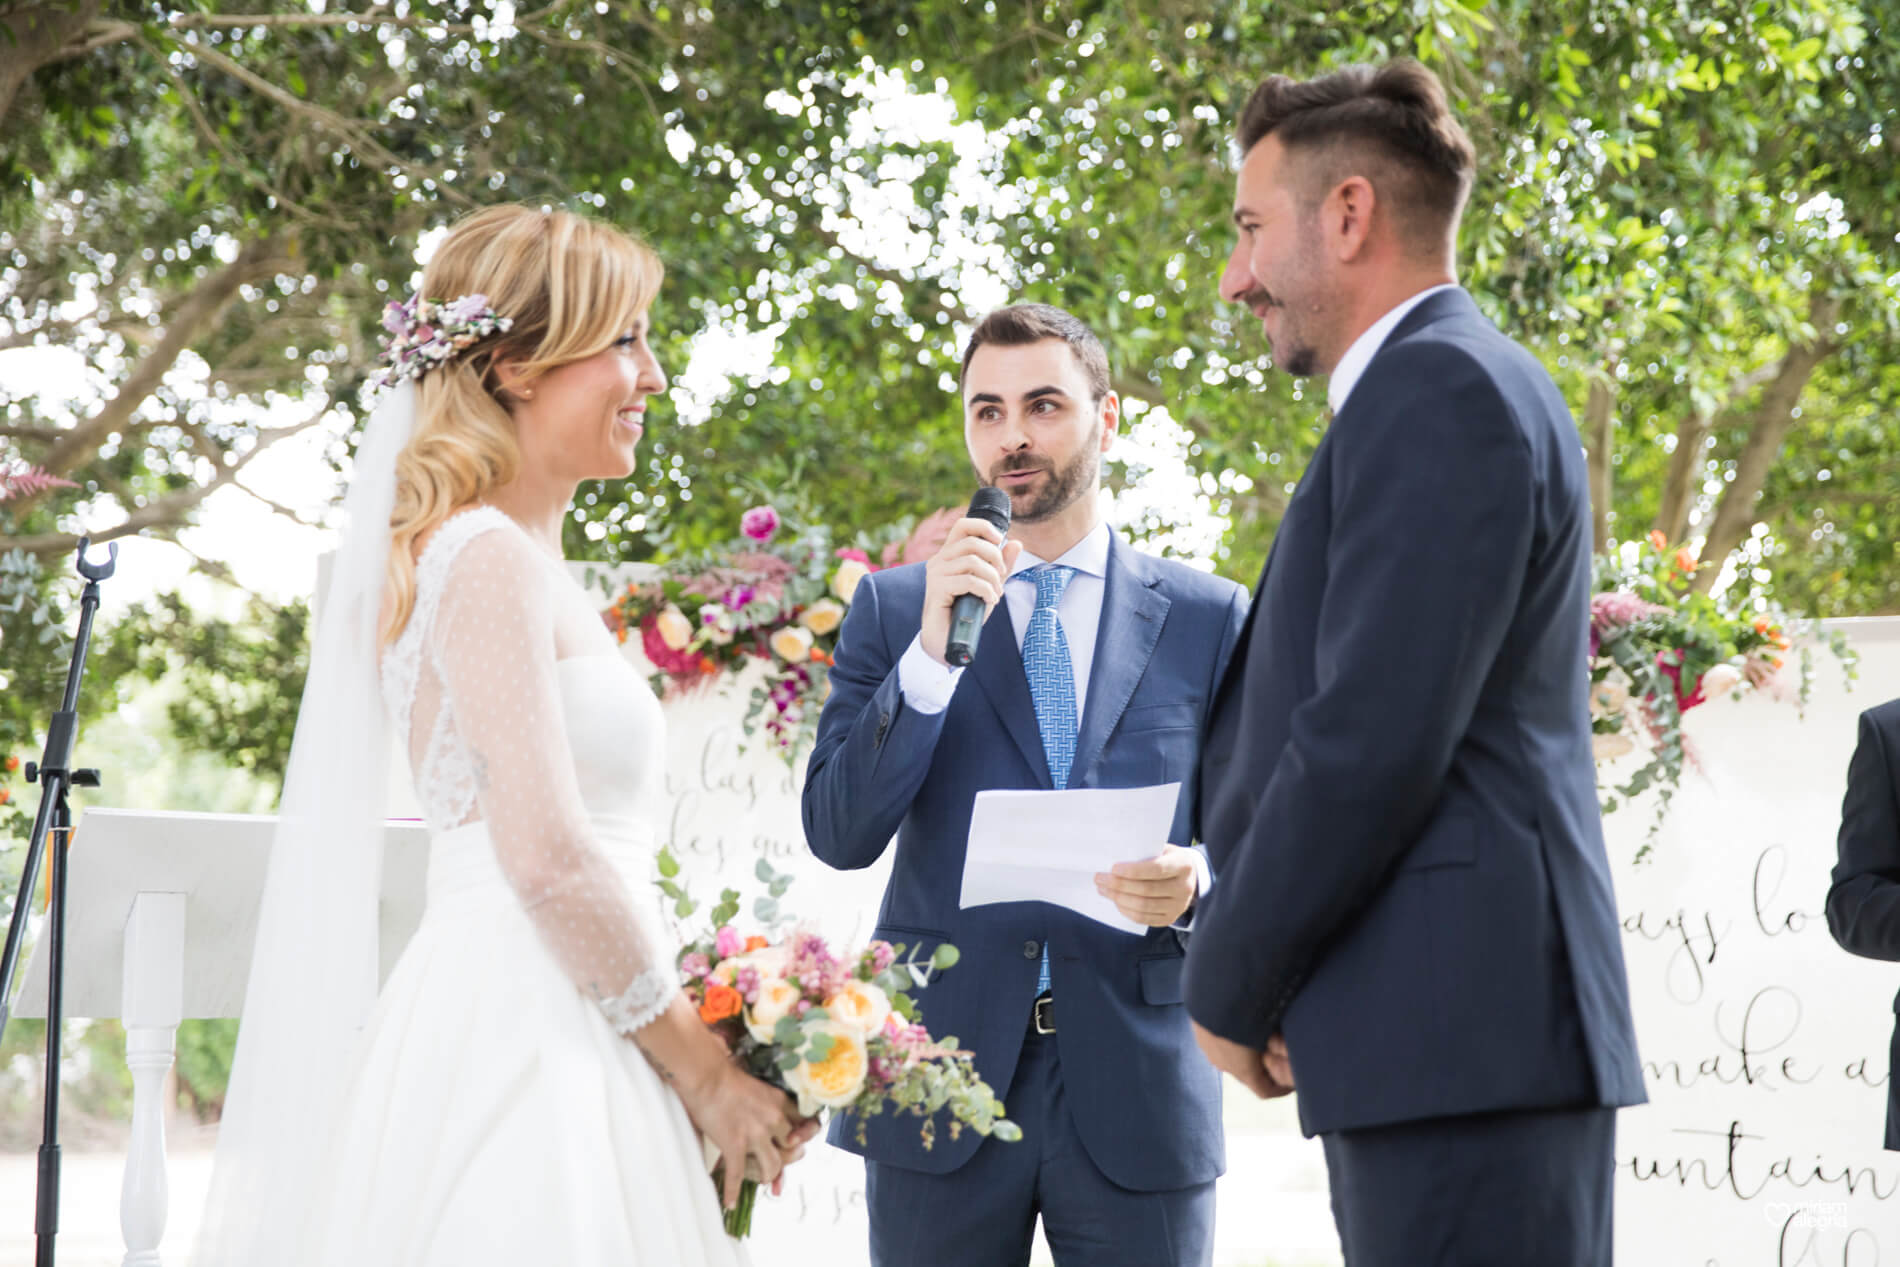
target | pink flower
[
  {"x": 675, "y": 664},
  {"x": 852, "y": 552},
  {"x": 1613, "y": 611},
  {"x": 727, "y": 942},
  {"x": 1673, "y": 672},
  {"x": 760, "y": 523},
  {"x": 883, "y": 955},
  {"x": 926, "y": 539},
  {"x": 695, "y": 966}
]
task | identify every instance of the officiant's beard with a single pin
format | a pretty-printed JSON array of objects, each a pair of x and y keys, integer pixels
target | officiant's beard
[{"x": 1080, "y": 476}]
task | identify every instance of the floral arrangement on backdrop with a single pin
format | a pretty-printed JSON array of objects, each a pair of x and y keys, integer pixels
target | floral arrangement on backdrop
[
  {"x": 837, "y": 1031},
  {"x": 1658, "y": 649},
  {"x": 777, "y": 595}
]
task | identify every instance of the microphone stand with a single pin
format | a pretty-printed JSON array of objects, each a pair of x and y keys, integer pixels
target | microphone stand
[{"x": 56, "y": 777}]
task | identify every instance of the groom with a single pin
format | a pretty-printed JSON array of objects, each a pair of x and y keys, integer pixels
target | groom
[
  {"x": 1414, "y": 917},
  {"x": 1093, "y": 670}
]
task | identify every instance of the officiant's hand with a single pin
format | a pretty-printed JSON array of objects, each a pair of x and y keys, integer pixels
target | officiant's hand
[
  {"x": 974, "y": 560},
  {"x": 1268, "y": 1074},
  {"x": 1157, "y": 891}
]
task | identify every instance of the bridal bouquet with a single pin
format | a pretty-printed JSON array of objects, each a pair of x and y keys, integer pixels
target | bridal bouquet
[{"x": 836, "y": 1031}]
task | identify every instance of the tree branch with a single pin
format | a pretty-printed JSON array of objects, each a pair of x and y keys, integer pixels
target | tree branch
[
  {"x": 356, "y": 137},
  {"x": 200, "y": 310},
  {"x": 170, "y": 511},
  {"x": 376, "y": 15},
  {"x": 254, "y": 177},
  {"x": 1774, "y": 418}
]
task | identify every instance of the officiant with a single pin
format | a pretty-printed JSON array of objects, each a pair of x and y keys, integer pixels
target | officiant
[{"x": 1093, "y": 669}]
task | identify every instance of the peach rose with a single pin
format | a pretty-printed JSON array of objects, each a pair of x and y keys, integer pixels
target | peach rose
[
  {"x": 861, "y": 1004},
  {"x": 792, "y": 644},
  {"x": 844, "y": 582},
  {"x": 1610, "y": 747},
  {"x": 775, "y": 1002},
  {"x": 1608, "y": 697},
  {"x": 824, "y": 616},
  {"x": 1720, "y": 681},
  {"x": 675, "y": 630},
  {"x": 837, "y": 1080}
]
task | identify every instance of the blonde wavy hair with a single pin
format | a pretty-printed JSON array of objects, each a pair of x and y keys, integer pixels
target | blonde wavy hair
[{"x": 572, "y": 286}]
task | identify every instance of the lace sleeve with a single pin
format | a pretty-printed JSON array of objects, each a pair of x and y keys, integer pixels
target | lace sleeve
[{"x": 492, "y": 644}]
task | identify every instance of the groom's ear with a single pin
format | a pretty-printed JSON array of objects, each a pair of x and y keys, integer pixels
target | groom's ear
[
  {"x": 1347, "y": 216},
  {"x": 1111, "y": 419}
]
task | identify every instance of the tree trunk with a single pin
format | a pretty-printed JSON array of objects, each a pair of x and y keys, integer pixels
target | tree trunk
[
  {"x": 1774, "y": 418},
  {"x": 38, "y": 34},
  {"x": 1599, "y": 435},
  {"x": 1685, "y": 465}
]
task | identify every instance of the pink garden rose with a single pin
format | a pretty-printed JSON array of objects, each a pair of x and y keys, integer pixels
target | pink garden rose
[{"x": 760, "y": 523}]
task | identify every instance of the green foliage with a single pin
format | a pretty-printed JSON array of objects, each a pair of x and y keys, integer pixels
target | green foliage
[{"x": 1664, "y": 191}]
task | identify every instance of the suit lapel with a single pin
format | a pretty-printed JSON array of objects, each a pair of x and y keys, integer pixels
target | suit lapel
[
  {"x": 1132, "y": 615},
  {"x": 998, "y": 669}
]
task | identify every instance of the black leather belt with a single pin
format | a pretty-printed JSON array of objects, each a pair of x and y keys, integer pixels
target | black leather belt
[{"x": 1045, "y": 1015}]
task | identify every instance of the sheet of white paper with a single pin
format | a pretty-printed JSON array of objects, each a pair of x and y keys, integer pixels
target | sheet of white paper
[{"x": 1028, "y": 846}]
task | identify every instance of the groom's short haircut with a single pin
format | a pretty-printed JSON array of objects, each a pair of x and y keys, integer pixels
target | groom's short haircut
[
  {"x": 1390, "y": 124},
  {"x": 1021, "y": 324}
]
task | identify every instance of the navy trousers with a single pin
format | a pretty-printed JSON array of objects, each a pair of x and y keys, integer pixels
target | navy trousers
[
  {"x": 1488, "y": 1190},
  {"x": 983, "y": 1214}
]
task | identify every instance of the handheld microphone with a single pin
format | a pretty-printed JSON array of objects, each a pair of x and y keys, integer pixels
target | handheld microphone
[{"x": 966, "y": 614}]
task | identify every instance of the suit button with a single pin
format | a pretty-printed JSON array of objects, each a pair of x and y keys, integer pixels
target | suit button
[{"x": 1032, "y": 950}]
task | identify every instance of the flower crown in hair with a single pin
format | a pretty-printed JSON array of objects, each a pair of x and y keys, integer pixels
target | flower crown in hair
[{"x": 427, "y": 333}]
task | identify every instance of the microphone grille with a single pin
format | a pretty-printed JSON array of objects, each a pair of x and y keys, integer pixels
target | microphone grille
[{"x": 991, "y": 504}]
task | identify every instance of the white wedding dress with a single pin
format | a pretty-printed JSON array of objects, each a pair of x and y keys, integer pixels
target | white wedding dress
[{"x": 498, "y": 1112}]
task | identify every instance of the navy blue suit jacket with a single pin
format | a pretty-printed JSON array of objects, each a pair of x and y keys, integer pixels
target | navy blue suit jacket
[
  {"x": 1146, "y": 1105},
  {"x": 1863, "y": 903},
  {"x": 1399, "y": 795}
]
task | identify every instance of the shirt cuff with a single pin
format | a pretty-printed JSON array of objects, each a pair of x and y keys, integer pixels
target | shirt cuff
[
  {"x": 1203, "y": 881},
  {"x": 926, "y": 685},
  {"x": 1203, "y": 876}
]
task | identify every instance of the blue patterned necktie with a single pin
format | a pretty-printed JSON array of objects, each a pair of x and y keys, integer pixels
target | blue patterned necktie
[{"x": 1051, "y": 689}]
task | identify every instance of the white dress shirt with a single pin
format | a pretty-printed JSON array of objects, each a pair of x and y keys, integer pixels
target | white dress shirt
[
  {"x": 927, "y": 685},
  {"x": 1352, "y": 365}
]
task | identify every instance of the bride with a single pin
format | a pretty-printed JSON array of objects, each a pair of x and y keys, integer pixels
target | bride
[{"x": 531, "y": 1085}]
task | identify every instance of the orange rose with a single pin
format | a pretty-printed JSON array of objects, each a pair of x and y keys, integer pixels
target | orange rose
[
  {"x": 1685, "y": 562},
  {"x": 721, "y": 1002},
  {"x": 708, "y": 665},
  {"x": 755, "y": 942},
  {"x": 1658, "y": 540},
  {"x": 1761, "y": 625},
  {"x": 5, "y": 796},
  {"x": 13, "y": 763}
]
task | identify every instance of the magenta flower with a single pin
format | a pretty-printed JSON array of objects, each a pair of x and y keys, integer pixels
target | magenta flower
[
  {"x": 760, "y": 523},
  {"x": 727, "y": 942},
  {"x": 695, "y": 966}
]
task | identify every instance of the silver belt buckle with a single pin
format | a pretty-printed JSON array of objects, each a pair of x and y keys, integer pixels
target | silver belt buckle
[{"x": 1045, "y": 1015}]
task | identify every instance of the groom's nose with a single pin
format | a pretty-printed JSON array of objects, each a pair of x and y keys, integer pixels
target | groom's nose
[{"x": 1238, "y": 278}]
